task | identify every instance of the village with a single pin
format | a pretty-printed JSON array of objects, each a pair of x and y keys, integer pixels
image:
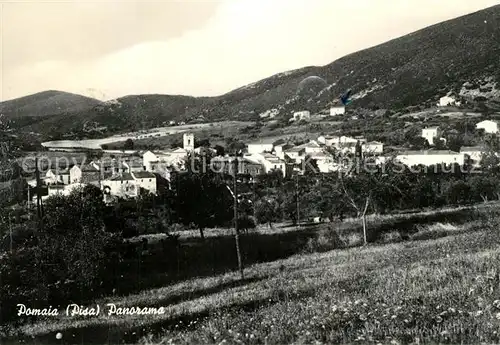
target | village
[{"x": 126, "y": 175}]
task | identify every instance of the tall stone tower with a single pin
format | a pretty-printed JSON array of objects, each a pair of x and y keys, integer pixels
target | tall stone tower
[{"x": 189, "y": 142}]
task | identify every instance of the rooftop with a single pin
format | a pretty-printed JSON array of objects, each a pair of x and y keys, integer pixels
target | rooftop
[
  {"x": 88, "y": 168},
  {"x": 123, "y": 177},
  {"x": 472, "y": 149},
  {"x": 143, "y": 174},
  {"x": 135, "y": 163},
  {"x": 295, "y": 149},
  {"x": 429, "y": 152}
]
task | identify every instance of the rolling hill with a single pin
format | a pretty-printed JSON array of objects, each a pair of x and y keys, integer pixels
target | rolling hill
[
  {"x": 46, "y": 103},
  {"x": 461, "y": 56}
]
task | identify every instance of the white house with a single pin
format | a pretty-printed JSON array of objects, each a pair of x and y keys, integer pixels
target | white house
[
  {"x": 337, "y": 110},
  {"x": 271, "y": 113},
  {"x": 296, "y": 153},
  {"x": 430, "y": 133},
  {"x": 268, "y": 161},
  {"x": 488, "y": 126},
  {"x": 145, "y": 180},
  {"x": 475, "y": 153},
  {"x": 446, "y": 101},
  {"x": 373, "y": 147},
  {"x": 109, "y": 167},
  {"x": 430, "y": 157},
  {"x": 188, "y": 141},
  {"x": 325, "y": 162},
  {"x": 263, "y": 145},
  {"x": 122, "y": 185},
  {"x": 86, "y": 174},
  {"x": 134, "y": 165},
  {"x": 301, "y": 115},
  {"x": 311, "y": 147},
  {"x": 279, "y": 150},
  {"x": 343, "y": 140},
  {"x": 54, "y": 176},
  {"x": 60, "y": 189},
  {"x": 153, "y": 161}
]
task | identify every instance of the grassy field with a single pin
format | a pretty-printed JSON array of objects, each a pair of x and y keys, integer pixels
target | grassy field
[{"x": 441, "y": 286}]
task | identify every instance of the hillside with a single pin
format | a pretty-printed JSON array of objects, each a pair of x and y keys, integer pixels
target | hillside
[
  {"x": 461, "y": 56},
  {"x": 46, "y": 103}
]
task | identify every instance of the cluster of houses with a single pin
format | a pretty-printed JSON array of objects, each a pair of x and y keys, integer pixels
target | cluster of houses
[
  {"x": 128, "y": 176},
  {"x": 305, "y": 115}
]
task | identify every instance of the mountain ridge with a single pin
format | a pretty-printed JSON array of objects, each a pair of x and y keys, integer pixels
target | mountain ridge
[{"x": 414, "y": 69}]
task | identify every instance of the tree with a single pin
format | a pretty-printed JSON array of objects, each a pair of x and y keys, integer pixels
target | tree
[
  {"x": 267, "y": 211},
  {"x": 202, "y": 198},
  {"x": 360, "y": 189},
  {"x": 128, "y": 145},
  {"x": 483, "y": 187},
  {"x": 72, "y": 249}
]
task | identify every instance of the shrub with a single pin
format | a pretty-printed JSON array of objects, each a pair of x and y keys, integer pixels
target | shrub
[
  {"x": 391, "y": 237},
  {"x": 327, "y": 238}
]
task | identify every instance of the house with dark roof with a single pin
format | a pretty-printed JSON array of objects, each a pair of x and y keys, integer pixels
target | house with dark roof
[
  {"x": 122, "y": 185},
  {"x": 87, "y": 174},
  {"x": 145, "y": 180}
]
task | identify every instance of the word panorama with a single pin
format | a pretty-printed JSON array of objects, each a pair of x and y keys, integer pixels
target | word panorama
[{"x": 79, "y": 310}]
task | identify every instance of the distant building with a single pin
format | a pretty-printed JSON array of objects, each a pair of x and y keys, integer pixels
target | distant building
[
  {"x": 337, "y": 110},
  {"x": 325, "y": 162},
  {"x": 269, "y": 161},
  {"x": 374, "y": 147},
  {"x": 245, "y": 166},
  {"x": 109, "y": 167},
  {"x": 447, "y": 101},
  {"x": 86, "y": 174},
  {"x": 430, "y": 157},
  {"x": 263, "y": 145},
  {"x": 299, "y": 153},
  {"x": 159, "y": 160},
  {"x": 128, "y": 185},
  {"x": 54, "y": 176},
  {"x": 301, "y": 115},
  {"x": 122, "y": 185},
  {"x": 134, "y": 165},
  {"x": 475, "y": 153},
  {"x": 145, "y": 180},
  {"x": 488, "y": 126},
  {"x": 430, "y": 133},
  {"x": 337, "y": 141},
  {"x": 279, "y": 150},
  {"x": 188, "y": 140}
]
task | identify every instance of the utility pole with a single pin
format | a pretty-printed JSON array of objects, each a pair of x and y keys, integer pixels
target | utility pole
[
  {"x": 38, "y": 196},
  {"x": 297, "y": 196},
  {"x": 10, "y": 231},
  {"x": 29, "y": 203},
  {"x": 235, "y": 210}
]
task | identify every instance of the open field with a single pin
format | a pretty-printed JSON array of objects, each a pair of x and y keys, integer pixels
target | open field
[
  {"x": 150, "y": 133},
  {"x": 419, "y": 290}
]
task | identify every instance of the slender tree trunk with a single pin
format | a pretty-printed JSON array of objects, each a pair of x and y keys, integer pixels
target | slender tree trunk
[
  {"x": 363, "y": 220},
  {"x": 202, "y": 235}
]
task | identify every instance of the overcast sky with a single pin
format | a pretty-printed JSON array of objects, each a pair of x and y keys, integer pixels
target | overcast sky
[{"x": 108, "y": 49}]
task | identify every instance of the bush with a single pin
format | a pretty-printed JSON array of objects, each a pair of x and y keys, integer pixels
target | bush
[
  {"x": 71, "y": 255},
  {"x": 328, "y": 238},
  {"x": 391, "y": 237}
]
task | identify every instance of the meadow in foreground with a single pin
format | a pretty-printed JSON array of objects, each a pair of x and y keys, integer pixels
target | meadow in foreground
[
  {"x": 418, "y": 291},
  {"x": 440, "y": 291}
]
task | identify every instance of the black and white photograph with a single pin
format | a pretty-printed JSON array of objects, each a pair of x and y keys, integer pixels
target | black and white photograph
[{"x": 249, "y": 172}]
